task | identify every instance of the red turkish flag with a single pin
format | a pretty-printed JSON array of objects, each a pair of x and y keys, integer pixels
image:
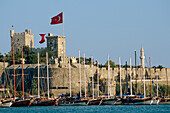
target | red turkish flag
[
  {"x": 43, "y": 39},
  {"x": 57, "y": 19}
]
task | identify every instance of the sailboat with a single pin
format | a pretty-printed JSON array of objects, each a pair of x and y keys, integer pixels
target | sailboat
[
  {"x": 166, "y": 99},
  {"x": 73, "y": 101},
  {"x": 119, "y": 98},
  {"x": 19, "y": 102},
  {"x": 138, "y": 99},
  {"x": 142, "y": 99},
  {"x": 93, "y": 101},
  {"x": 156, "y": 99},
  {"x": 43, "y": 101},
  {"x": 108, "y": 100}
]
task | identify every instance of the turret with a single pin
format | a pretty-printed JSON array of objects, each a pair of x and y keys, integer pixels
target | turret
[{"x": 11, "y": 33}]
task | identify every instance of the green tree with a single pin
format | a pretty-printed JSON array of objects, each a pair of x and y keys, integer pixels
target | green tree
[
  {"x": 87, "y": 60},
  {"x": 160, "y": 67},
  {"x": 1, "y": 58},
  {"x": 43, "y": 55},
  {"x": 31, "y": 59},
  {"x": 112, "y": 64}
]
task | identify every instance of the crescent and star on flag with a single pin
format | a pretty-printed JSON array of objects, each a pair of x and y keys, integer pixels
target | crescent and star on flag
[{"x": 54, "y": 20}]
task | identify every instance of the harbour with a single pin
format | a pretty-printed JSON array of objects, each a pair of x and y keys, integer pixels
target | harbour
[
  {"x": 85, "y": 57},
  {"x": 90, "y": 109}
]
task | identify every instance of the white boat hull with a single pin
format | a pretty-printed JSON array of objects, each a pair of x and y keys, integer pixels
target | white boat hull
[
  {"x": 156, "y": 101},
  {"x": 7, "y": 104},
  {"x": 148, "y": 102}
]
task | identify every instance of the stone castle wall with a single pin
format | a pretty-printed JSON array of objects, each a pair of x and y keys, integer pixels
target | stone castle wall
[
  {"x": 21, "y": 39},
  {"x": 56, "y": 45},
  {"x": 59, "y": 77},
  {"x": 3, "y": 65}
]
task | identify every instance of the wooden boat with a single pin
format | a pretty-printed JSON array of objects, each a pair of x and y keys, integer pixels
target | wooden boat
[
  {"x": 165, "y": 100},
  {"x": 156, "y": 100},
  {"x": 72, "y": 102},
  {"x": 118, "y": 101},
  {"x": 110, "y": 101},
  {"x": 128, "y": 99},
  {"x": 43, "y": 102},
  {"x": 143, "y": 101},
  {"x": 137, "y": 100},
  {"x": 95, "y": 101},
  {"x": 5, "y": 103},
  {"x": 20, "y": 103}
]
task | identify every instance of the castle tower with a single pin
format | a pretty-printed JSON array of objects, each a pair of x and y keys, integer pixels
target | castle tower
[
  {"x": 21, "y": 39},
  {"x": 142, "y": 57},
  {"x": 56, "y": 44}
]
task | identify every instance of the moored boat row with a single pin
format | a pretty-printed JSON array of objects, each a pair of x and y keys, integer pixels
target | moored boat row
[{"x": 125, "y": 100}]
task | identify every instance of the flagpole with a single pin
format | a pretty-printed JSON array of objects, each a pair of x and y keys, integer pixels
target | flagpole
[{"x": 63, "y": 43}]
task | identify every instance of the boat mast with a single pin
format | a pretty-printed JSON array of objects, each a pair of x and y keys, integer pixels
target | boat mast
[
  {"x": 130, "y": 77},
  {"x": 167, "y": 82},
  {"x": 70, "y": 76},
  {"x": 120, "y": 77},
  {"x": 144, "y": 80},
  {"x": 22, "y": 74},
  {"x": 127, "y": 85},
  {"x": 38, "y": 76},
  {"x": 157, "y": 84},
  {"x": 108, "y": 78},
  {"x": 80, "y": 72},
  {"x": 136, "y": 72},
  {"x": 14, "y": 74},
  {"x": 84, "y": 76},
  {"x": 47, "y": 74},
  {"x": 150, "y": 74},
  {"x": 97, "y": 78},
  {"x": 92, "y": 76}
]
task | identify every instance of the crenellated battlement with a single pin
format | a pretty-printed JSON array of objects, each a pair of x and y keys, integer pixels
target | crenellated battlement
[{"x": 21, "y": 39}]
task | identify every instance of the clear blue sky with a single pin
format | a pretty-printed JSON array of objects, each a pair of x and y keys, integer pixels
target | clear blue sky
[{"x": 96, "y": 27}]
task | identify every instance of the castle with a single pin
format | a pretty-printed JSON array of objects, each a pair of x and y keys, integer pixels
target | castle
[
  {"x": 21, "y": 39},
  {"x": 59, "y": 71}
]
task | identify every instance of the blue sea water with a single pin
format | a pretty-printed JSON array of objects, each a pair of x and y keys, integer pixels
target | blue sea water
[{"x": 90, "y": 109}]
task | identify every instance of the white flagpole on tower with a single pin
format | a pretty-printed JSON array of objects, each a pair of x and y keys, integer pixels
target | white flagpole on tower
[{"x": 63, "y": 41}]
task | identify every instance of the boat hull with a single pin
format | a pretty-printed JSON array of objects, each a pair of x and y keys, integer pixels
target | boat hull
[
  {"x": 44, "y": 103},
  {"x": 143, "y": 101},
  {"x": 95, "y": 102},
  {"x": 108, "y": 102},
  {"x": 20, "y": 103},
  {"x": 6, "y": 104},
  {"x": 156, "y": 101},
  {"x": 165, "y": 101},
  {"x": 137, "y": 101},
  {"x": 73, "y": 103}
]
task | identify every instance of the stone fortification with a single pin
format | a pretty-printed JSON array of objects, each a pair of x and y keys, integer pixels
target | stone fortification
[
  {"x": 56, "y": 44},
  {"x": 3, "y": 65},
  {"x": 21, "y": 39},
  {"x": 59, "y": 77}
]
